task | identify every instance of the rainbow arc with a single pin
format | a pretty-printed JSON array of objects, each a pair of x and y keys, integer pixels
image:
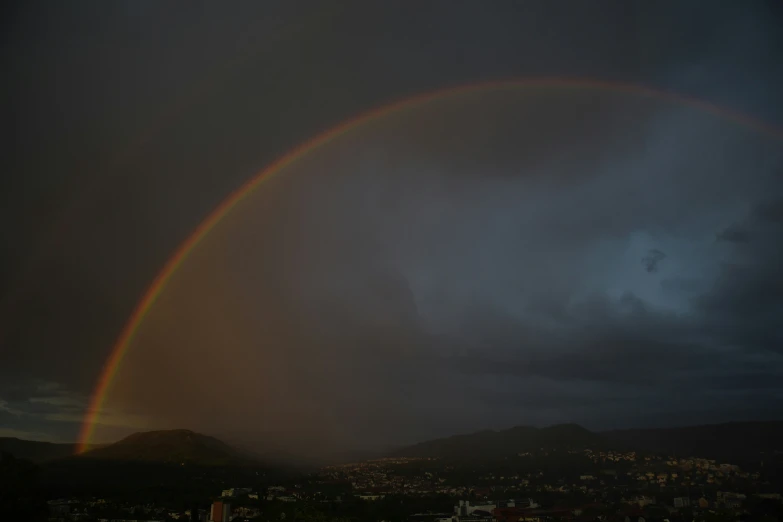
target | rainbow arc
[{"x": 158, "y": 285}]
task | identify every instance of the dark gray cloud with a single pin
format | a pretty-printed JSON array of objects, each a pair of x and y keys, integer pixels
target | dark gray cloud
[
  {"x": 653, "y": 259},
  {"x": 771, "y": 211},
  {"x": 682, "y": 284},
  {"x": 734, "y": 235},
  {"x": 471, "y": 263}
]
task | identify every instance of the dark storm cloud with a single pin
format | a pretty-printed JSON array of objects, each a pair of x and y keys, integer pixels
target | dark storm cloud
[
  {"x": 743, "y": 305},
  {"x": 29, "y": 408},
  {"x": 727, "y": 344},
  {"x": 681, "y": 284},
  {"x": 653, "y": 259},
  {"x": 772, "y": 211},
  {"x": 484, "y": 271},
  {"x": 646, "y": 348},
  {"x": 734, "y": 235}
]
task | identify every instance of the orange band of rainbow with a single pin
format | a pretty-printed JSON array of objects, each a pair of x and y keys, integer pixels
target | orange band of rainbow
[{"x": 159, "y": 284}]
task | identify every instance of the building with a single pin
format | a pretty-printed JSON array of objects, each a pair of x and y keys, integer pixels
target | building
[
  {"x": 59, "y": 510},
  {"x": 430, "y": 517},
  {"x": 730, "y": 500},
  {"x": 524, "y": 503},
  {"x": 644, "y": 500},
  {"x": 236, "y": 492},
  {"x": 128, "y": 519},
  {"x": 248, "y": 512},
  {"x": 465, "y": 509},
  {"x": 221, "y": 512},
  {"x": 371, "y": 497}
]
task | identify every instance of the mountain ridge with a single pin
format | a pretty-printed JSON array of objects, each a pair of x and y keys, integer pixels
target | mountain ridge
[
  {"x": 502, "y": 443},
  {"x": 39, "y": 451},
  {"x": 734, "y": 441},
  {"x": 741, "y": 441},
  {"x": 179, "y": 446}
]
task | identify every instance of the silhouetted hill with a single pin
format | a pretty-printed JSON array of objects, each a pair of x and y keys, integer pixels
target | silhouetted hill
[
  {"x": 498, "y": 444},
  {"x": 739, "y": 442},
  {"x": 171, "y": 447},
  {"x": 37, "y": 451},
  {"x": 733, "y": 441},
  {"x": 179, "y": 464}
]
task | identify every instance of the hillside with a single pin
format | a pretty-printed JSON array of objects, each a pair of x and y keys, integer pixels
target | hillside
[
  {"x": 182, "y": 463},
  {"x": 37, "y": 451},
  {"x": 172, "y": 447},
  {"x": 739, "y": 442},
  {"x": 733, "y": 441},
  {"x": 498, "y": 444}
]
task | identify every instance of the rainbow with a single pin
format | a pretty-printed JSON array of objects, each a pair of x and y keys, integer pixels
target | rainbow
[{"x": 158, "y": 285}]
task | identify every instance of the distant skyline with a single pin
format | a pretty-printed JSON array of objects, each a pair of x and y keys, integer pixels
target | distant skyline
[{"x": 489, "y": 259}]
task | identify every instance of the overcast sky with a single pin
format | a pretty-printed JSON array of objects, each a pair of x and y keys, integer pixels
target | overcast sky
[{"x": 500, "y": 257}]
